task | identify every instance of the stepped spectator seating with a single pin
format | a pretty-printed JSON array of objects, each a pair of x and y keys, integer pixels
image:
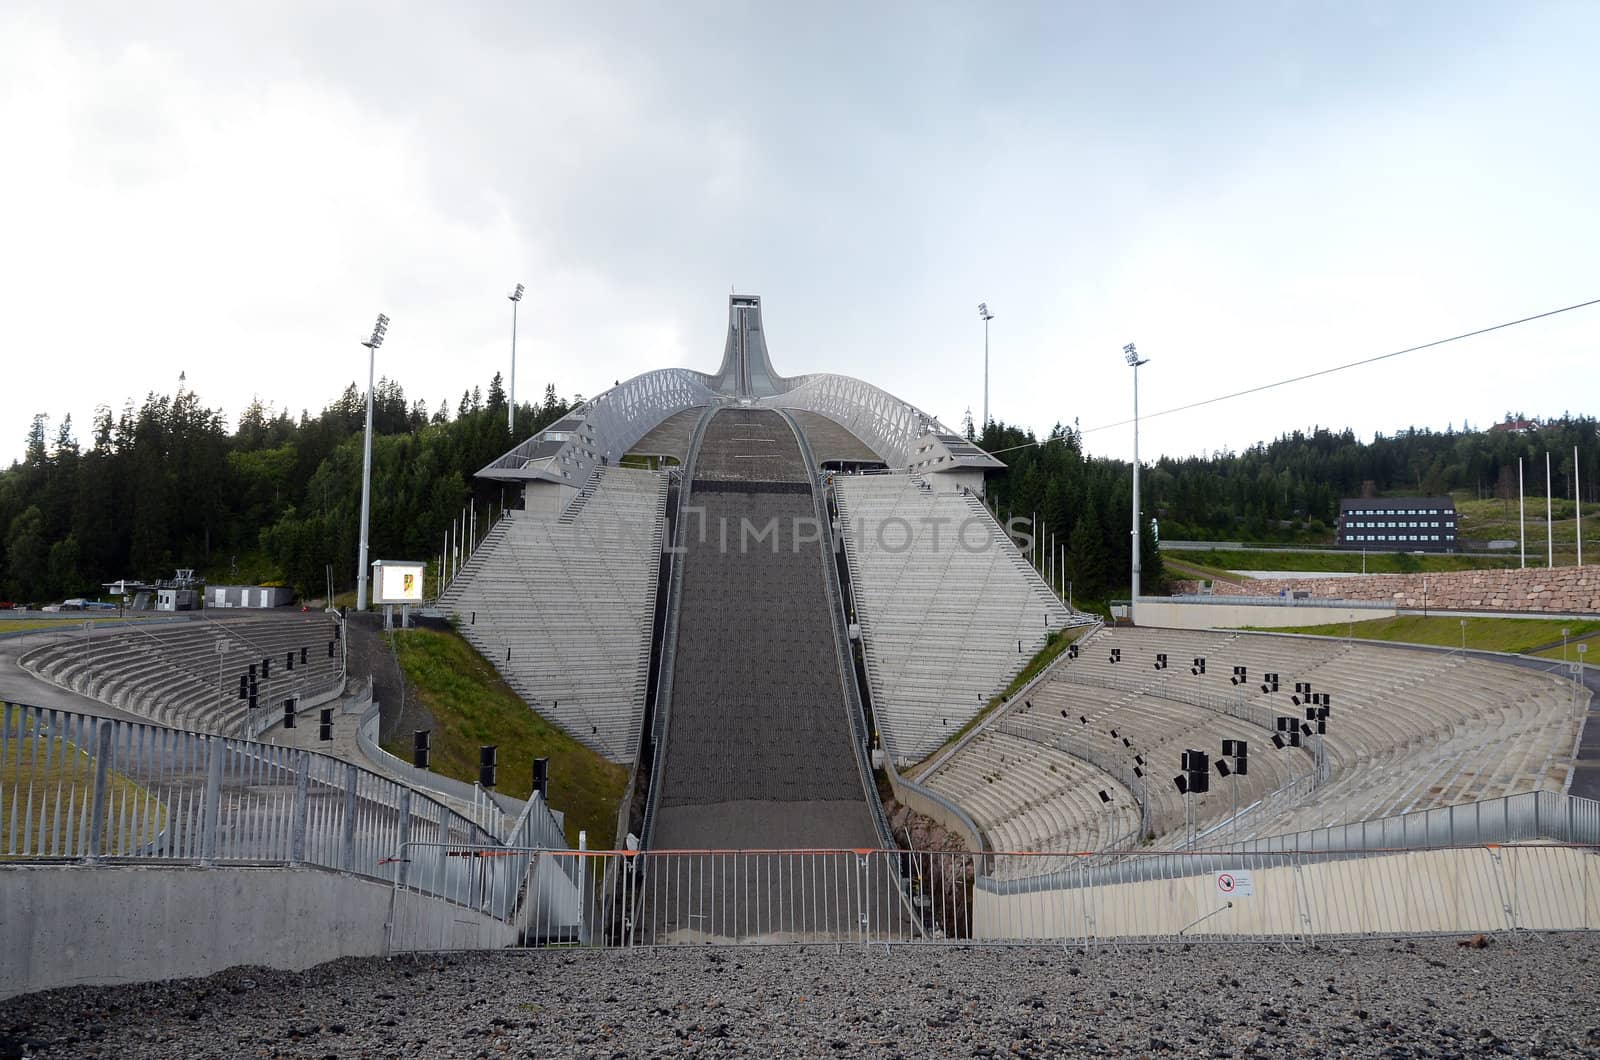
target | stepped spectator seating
[
  {"x": 1407, "y": 730},
  {"x": 564, "y": 607},
  {"x": 1028, "y": 795},
  {"x": 949, "y": 609},
  {"x": 174, "y": 674}
]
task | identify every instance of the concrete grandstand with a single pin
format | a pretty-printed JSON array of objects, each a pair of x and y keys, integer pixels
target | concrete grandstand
[
  {"x": 1407, "y": 731},
  {"x": 564, "y": 606},
  {"x": 196, "y": 674}
]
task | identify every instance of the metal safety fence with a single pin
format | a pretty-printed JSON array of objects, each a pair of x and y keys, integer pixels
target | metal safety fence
[
  {"x": 622, "y": 899},
  {"x": 79, "y": 787},
  {"x": 633, "y": 898}
]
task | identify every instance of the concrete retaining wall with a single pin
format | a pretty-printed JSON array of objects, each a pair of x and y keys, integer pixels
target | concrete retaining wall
[
  {"x": 1562, "y": 590},
  {"x": 1464, "y": 890},
  {"x": 920, "y": 800},
  {"x": 1201, "y": 614},
  {"x": 65, "y": 925}
]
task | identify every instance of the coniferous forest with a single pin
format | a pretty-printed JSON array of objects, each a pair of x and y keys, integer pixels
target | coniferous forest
[
  {"x": 276, "y": 500},
  {"x": 1284, "y": 491}
]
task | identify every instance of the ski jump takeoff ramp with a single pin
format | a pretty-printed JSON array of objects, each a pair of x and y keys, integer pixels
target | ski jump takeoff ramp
[
  {"x": 758, "y": 739},
  {"x": 758, "y": 744}
]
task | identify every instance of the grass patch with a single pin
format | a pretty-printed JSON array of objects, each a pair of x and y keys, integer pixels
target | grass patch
[
  {"x": 1485, "y": 634},
  {"x": 1571, "y": 652},
  {"x": 1497, "y": 519},
  {"x": 49, "y": 783},
  {"x": 1225, "y": 560},
  {"x": 1184, "y": 569},
  {"x": 471, "y": 706},
  {"x": 1054, "y": 645}
]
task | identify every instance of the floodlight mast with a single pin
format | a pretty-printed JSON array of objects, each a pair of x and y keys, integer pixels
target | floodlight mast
[
  {"x": 1549, "y": 514},
  {"x": 511, "y": 393},
  {"x": 1131, "y": 355},
  {"x": 379, "y": 330},
  {"x": 986, "y": 316}
]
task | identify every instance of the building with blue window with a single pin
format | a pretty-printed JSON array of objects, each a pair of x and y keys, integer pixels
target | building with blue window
[{"x": 1398, "y": 524}]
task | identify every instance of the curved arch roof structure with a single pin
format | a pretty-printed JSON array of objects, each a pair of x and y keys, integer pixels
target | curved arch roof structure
[{"x": 602, "y": 429}]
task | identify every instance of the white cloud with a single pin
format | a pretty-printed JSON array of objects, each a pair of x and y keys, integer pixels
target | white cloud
[{"x": 235, "y": 194}]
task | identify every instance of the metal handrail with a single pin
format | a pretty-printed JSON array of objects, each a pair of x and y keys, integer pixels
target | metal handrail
[
  {"x": 669, "y": 642},
  {"x": 1533, "y": 815},
  {"x": 114, "y": 790},
  {"x": 668, "y": 556}
]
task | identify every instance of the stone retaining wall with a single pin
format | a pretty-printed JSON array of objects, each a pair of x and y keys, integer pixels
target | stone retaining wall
[{"x": 1562, "y": 590}]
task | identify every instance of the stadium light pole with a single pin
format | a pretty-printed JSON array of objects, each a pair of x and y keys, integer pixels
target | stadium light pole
[
  {"x": 511, "y": 394},
  {"x": 1131, "y": 355},
  {"x": 379, "y": 329},
  {"x": 1522, "y": 514},
  {"x": 1549, "y": 521},
  {"x": 986, "y": 316}
]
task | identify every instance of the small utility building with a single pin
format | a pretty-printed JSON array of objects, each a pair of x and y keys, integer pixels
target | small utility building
[
  {"x": 248, "y": 596},
  {"x": 1398, "y": 524}
]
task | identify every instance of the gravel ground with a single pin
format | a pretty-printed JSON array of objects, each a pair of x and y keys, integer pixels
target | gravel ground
[{"x": 1532, "y": 996}]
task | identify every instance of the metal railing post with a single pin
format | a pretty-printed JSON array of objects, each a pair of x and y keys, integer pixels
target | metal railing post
[
  {"x": 405, "y": 837},
  {"x": 347, "y": 855},
  {"x": 297, "y": 820},
  {"x": 102, "y": 779},
  {"x": 404, "y": 856},
  {"x": 210, "y": 824}
]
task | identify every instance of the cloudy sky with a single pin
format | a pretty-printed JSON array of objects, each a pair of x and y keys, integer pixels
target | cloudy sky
[{"x": 1248, "y": 191}]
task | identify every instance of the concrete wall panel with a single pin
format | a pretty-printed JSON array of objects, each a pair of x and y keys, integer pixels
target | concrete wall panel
[
  {"x": 1178, "y": 614},
  {"x": 1461, "y": 890},
  {"x": 65, "y": 925}
]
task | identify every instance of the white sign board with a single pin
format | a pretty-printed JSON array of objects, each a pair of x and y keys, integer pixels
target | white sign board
[
  {"x": 396, "y": 582},
  {"x": 1234, "y": 884}
]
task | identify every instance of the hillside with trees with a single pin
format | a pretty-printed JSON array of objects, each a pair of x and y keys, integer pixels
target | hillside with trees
[
  {"x": 1284, "y": 491},
  {"x": 166, "y": 484}
]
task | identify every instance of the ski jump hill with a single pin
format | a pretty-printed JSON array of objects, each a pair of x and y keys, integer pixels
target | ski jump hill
[{"x": 743, "y": 585}]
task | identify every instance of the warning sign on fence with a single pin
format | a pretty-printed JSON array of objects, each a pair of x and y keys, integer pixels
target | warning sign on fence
[{"x": 1235, "y": 884}]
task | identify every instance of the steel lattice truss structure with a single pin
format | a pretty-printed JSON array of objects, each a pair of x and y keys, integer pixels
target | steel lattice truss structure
[{"x": 603, "y": 429}]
